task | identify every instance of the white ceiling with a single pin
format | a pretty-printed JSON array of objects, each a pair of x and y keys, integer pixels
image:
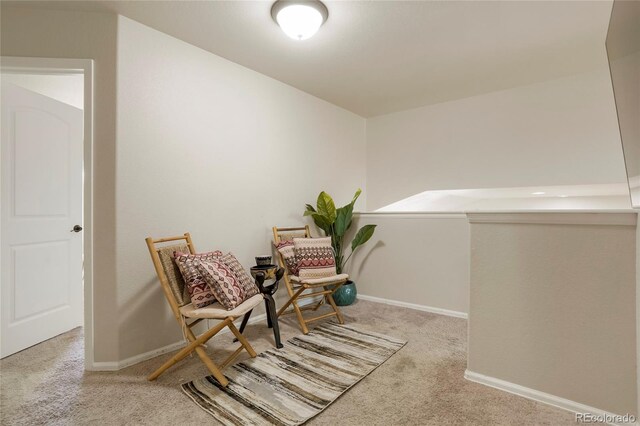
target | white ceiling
[{"x": 377, "y": 57}]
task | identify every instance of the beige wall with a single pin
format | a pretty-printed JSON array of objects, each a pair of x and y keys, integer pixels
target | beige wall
[
  {"x": 210, "y": 147},
  {"x": 560, "y": 132},
  {"x": 203, "y": 145},
  {"x": 553, "y": 305},
  {"x": 420, "y": 259},
  {"x": 55, "y": 34}
]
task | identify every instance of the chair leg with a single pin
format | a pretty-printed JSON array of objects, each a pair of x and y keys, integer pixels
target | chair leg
[
  {"x": 195, "y": 345},
  {"x": 293, "y": 301},
  {"x": 292, "y": 298},
  {"x": 303, "y": 323},
  {"x": 320, "y": 303},
  {"x": 231, "y": 357},
  {"x": 243, "y": 340},
  {"x": 164, "y": 367},
  {"x": 174, "y": 359},
  {"x": 245, "y": 320},
  {"x": 211, "y": 366},
  {"x": 335, "y": 308}
]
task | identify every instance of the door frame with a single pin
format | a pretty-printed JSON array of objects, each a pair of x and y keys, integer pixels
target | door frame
[{"x": 26, "y": 65}]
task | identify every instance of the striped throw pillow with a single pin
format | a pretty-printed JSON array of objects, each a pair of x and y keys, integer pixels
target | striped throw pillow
[
  {"x": 247, "y": 284},
  {"x": 223, "y": 283},
  {"x": 199, "y": 292},
  {"x": 288, "y": 253},
  {"x": 315, "y": 257}
]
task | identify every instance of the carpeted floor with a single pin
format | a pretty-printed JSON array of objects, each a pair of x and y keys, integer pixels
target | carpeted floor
[{"x": 422, "y": 384}]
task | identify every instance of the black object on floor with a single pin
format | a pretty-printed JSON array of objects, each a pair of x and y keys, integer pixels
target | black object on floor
[{"x": 260, "y": 273}]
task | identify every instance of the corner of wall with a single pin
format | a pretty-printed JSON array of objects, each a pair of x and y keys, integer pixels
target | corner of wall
[{"x": 638, "y": 311}]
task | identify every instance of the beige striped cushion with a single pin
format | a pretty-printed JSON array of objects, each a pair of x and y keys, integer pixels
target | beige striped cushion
[{"x": 315, "y": 257}]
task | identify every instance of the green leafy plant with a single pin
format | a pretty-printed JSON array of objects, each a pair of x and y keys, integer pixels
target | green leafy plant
[{"x": 335, "y": 222}]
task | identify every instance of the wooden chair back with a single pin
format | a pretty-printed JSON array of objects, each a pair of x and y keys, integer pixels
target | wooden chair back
[
  {"x": 288, "y": 234},
  {"x": 171, "y": 280}
]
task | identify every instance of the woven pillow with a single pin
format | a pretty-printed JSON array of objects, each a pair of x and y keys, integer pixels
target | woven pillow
[
  {"x": 248, "y": 286},
  {"x": 200, "y": 293},
  {"x": 223, "y": 283},
  {"x": 288, "y": 253},
  {"x": 315, "y": 257}
]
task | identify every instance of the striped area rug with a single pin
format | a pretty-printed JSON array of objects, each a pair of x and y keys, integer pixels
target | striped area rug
[{"x": 289, "y": 386}]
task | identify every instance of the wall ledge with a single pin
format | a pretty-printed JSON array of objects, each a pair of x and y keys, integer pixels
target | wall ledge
[
  {"x": 414, "y": 215},
  {"x": 613, "y": 218},
  {"x": 542, "y": 397}
]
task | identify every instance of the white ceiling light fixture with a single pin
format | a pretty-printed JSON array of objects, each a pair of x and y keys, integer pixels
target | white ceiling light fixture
[{"x": 301, "y": 19}]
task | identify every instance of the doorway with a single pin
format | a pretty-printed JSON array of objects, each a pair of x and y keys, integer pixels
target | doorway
[{"x": 46, "y": 158}]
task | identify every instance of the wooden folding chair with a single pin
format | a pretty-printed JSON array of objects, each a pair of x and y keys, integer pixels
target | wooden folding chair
[
  {"x": 301, "y": 289},
  {"x": 174, "y": 290}
]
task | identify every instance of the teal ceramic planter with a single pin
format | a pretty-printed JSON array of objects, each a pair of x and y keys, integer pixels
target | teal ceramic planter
[{"x": 346, "y": 294}]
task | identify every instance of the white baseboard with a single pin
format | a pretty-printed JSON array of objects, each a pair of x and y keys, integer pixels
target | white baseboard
[
  {"x": 542, "y": 397},
  {"x": 102, "y": 366},
  {"x": 127, "y": 362},
  {"x": 417, "y": 307}
]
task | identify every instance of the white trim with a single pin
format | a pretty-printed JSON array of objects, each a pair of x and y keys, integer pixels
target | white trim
[
  {"x": 557, "y": 218},
  {"x": 104, "y": 366},
  {"x": 128, "y": 362},
  {"x": 15, "y": 64},
  {"x": 433, "y": 310},
  {"x": 535, "y": 395},
  {"x": 414, "y": 215},
  {"x": 28, "y": 65},
  {"x": 460, "y": 213}
]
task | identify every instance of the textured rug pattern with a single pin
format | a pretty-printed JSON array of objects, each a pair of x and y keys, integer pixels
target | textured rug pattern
[{"x": 289, "y": 386}]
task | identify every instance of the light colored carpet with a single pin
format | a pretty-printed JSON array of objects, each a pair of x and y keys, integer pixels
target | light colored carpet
[
  {"x": 288, "y": 386},
  {"x": 422, "y": 384}
]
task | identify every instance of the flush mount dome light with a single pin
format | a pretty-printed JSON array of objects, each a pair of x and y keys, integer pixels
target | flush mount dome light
[{"x": 299, "y": 19}]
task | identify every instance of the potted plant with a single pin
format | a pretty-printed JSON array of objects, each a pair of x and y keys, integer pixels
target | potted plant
[{"x": 335, "y": 222}]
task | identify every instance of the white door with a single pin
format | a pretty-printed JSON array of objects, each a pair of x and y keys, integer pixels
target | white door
[{"x": 41, "y": 169}]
